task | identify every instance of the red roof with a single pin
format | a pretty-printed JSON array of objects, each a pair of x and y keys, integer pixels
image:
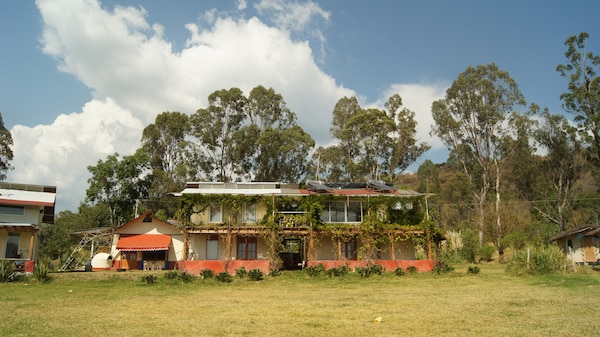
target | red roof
[{"x": 144, "y": 242}]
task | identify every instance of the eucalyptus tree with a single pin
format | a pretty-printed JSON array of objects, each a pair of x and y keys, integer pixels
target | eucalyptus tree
[
  {"x": 119, "y": 184},
  {"x": 559, "y": 169},
  {"x": 218, "y": 131},
  {"x": 167, "y": 146},
  {"x": 370, "y": 143},
  {"x": 583, "y": 96},
  {"x": 281, "y": 146},
  {"x": 6, "y": 153},
  {"x": 474, "y": 120}
]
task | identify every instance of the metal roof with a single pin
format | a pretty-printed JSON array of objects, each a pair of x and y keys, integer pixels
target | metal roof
[{"x": 26, "y": 198}]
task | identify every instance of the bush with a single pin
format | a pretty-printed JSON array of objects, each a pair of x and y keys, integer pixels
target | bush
[
  {"x": 275, "y": 272},
  {"x": 473, "y": 270},
  {"x": 207, "y": 273},
  {"x": 171, "y": 274},
  {"x": 186, "y": 277},
  {"x": 470, "y": 246},
  {"x": 411, "y": 269},
  {"x": 399, "y": 271},
  {"x": 40, "y": 272},
  {"x": 224, "y": 277},
  {"x": 375, "y": 269},
  {"x": 7, "y": 270},
  {"x": 256, "y": 275},
  {"x": 486, "y": 252},
  {"x": 241, "y": 272},
  {"x": 338, "y": 271},
  {"x": 542, "y": 260},
  {"x": 149, "y": 279},
  {"x": 441, "y": 268},
  {"x": 314, "y": 271}
]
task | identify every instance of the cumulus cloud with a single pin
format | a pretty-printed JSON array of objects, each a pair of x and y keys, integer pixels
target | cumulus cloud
[
  {"x": 59, "y": 153},
  {"x": 134, "y": 74}
]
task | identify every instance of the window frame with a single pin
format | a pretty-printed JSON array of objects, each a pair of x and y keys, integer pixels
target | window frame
[
  {"x": 211, "y": 215},
  {"x": 247, "y": 247}
]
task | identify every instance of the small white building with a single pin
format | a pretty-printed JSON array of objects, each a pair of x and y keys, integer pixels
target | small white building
[{"x": 581, "y": 244}]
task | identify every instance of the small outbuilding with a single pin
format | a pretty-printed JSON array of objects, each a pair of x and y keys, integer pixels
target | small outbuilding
[
  {"x": 146, "y": 243},
  {"x": 581, "y": 244}
]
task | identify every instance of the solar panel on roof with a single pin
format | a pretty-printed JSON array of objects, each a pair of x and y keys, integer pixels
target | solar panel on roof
[
  {"x": 319, "y": 186},
  {"x": 380, "y": 186}
]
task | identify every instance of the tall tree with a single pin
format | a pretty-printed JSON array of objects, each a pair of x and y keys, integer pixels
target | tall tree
[
  {"x": 583, "y": 97},
  {"x": 166, "y": 144},
  {"x": 371, "y": 143},
  {"x": 560, "y": 168},
  {"x": 6, "y": 153},
  {"x": 119, "y": 184},
  {"x": 473, "y": 120},
  {"x": 281, "y": 147},
  {"x": 216, "y": 128}
]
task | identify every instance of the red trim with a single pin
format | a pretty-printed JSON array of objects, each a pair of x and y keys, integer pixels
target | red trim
[
  {"x": 144, "y": 242},
  {"x": 24, "y": 202}
]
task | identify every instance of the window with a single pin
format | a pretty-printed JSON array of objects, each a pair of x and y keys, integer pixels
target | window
[
  {"x": 157, "y": 255},
  {"x": 216, "y": 214},
  {"x": 12, "y": 245},
  {"x": 349, "y": 250},
  {"x": 246, "y": 247},
  {"x": 12, "y": 210},
  {"x": 342, "y": 211},
  {"x": 249, "y": 214}
]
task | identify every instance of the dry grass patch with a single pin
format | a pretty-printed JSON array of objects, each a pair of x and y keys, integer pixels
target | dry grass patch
[{"x": 490, "y": 303}]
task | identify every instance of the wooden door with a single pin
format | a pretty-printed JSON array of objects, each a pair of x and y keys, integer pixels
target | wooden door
[{"x": 589, "y": 249}]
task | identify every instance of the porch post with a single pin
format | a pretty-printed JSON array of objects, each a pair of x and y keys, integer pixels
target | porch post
[{"x": 31, "y": 245}]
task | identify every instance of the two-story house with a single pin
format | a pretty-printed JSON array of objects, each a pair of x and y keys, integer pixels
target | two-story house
[
  {"x": 269, "y": 225},
  {"x": 24, "y": 209}
]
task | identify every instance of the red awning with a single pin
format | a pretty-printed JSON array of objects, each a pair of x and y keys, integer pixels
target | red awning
[{"x": 144, "y": 242}]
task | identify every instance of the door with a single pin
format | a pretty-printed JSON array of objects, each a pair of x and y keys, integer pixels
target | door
[
  {"x": 212, "y": 247},
  {"x": 589, "y": 249}
]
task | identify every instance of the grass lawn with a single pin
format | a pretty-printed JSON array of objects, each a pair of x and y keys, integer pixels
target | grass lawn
[{"x": 491, "y": 303}]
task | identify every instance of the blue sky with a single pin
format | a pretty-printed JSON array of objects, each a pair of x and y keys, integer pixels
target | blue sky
[{"x": 80, "y": 79}]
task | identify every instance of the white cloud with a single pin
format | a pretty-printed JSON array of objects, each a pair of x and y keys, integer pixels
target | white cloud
[
  {"x": 134, "y": 75},
  {"x": 59, "y": 153}
]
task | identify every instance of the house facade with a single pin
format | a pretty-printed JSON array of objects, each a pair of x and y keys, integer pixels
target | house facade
[
  {"x": 24, "y": 209},
  {"x": 269, "y": 225},
  {"x": 581, "y": 245},
  {"x": 145, "y": 243}
]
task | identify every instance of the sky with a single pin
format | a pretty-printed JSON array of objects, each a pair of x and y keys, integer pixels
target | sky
[{"x": 80, "y": 79}]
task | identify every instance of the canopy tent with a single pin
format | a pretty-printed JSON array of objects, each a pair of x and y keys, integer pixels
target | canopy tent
[{"x": 144, "y": 242}]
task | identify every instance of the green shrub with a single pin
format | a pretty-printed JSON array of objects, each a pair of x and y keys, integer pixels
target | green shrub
[
  {"x": 256, "y": 275},
  {"x": 338, "y": 271},
  {"x": 473, "y": 270},
  {"x": 399, "y": 271},
  {"x": 149, "y": 279},
  {"x": 241, "y": 272},
  {"x": 186, "y": 277},
  {"x": 314, "y": 271},
  {"x": 19, "y": 277},
  {"x": 441, "y": 268},
  {"x": 411, "y": 269},
  {"x": 275, "y": 272},
  {"x": 375, "y": 269},
  {"x": 542, "y": 260},
  {"x": 207, "y": 273},
  {"x": 41, "y": 272},
  {"x": 486, "y": 252},
  {"x": 171, "y": 275},
  {"x": 224, "y": 277},
  {"x": 470, "y": 247},
  {"x": 7, "y": 270}
]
